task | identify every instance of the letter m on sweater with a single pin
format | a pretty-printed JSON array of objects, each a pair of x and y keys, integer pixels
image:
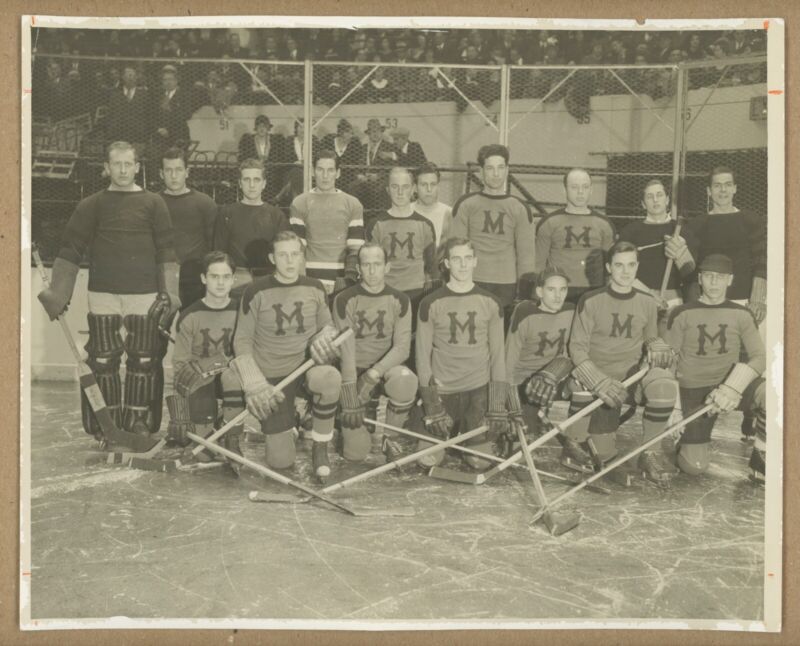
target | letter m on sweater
[
  {"x": 545, "y": 342},
  {"x": 711, "y": 338},
  {"x": 396, "y": 244},
  {"x": 493, "y": 226},
  {"x": 582, "y": 239},
  {"x": 621, "y": 329},
  {"x": 363, "y": 322},
  {"x": 295, "y": 315},
  {"x": 467, "y": 326}
]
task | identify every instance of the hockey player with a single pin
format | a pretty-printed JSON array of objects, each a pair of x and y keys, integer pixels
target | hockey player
[
  {"x": 193, "y": 216},
  {"x": 280, "y": 318},
  {"x": 331, "y": 225},
  {"x": 501, "y": 229},
  {"x": 203, "y": 349},
  {"x": 428, "y": 204},
  {"x": 742, "y": 236},
  {"x": 133, "y": 281},
  {"x": 537, "y": 364},
  {"x": 373, "y": 359},
  {"x": 613, "y": 325},
  {"x": 245, "y": 230},
  {"x": 460, "y": 358},
  {"x": 655, "y": 239},
  {"x": 575, "y": 237},
  {"x": 708, "y": 336},
  {"x": 407, "y": 238}
]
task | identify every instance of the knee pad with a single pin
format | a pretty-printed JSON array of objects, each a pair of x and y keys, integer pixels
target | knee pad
[
  {"x": 356, "y": 443},
  {"x": 658, "y": 385},
  {"x": 694, "y": 459},
  {"x": 280, "y": 450},
  {"x": 324, "y": 382},
  {"x": 605, "y": 444},
  {"x": 400, "y": 385},
  {"x": 105, "y": 340},
  {"x": 143, "y": 340}
]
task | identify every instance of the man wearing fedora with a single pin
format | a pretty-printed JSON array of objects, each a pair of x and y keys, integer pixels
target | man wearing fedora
[
  {"x": 409, "y": 153},
  {"x": 379, "y": 154}
]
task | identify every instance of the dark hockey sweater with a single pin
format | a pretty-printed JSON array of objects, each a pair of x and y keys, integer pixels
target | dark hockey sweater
[
  {"x": 193, "y": 216},
  {"x": 246, "y": 233}
]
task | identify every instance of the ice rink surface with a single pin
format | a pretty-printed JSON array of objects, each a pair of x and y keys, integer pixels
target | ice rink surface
[{"x": 110, "y": 541}]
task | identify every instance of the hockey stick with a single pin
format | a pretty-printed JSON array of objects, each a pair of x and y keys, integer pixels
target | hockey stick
[
  {"x": 557, "y": 523},
  {"x": 112, "y": 434},
  {"x": 670, "y": 261},
  {"x": 632, "y": 454},
  {"x": 145, "y": 463},
  {"x": 460, "y": 476},
  {"x": 481, "y": 478},
  {"x": 256, "y": 496}
]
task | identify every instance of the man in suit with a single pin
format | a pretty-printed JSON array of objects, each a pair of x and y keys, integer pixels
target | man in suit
[
  {"x": 128, "y": 109},
  {"x": 409, "y": 153},
  {"x": 172, "y": 111}
]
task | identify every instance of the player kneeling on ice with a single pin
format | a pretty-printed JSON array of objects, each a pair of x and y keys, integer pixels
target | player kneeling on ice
[
  {"x": 708, "y": 336},
  {"x": 537, "y": 364},
  {"x": 372, "y": 359},
  {"x": 613, "y": 327},
  {"x": 460, "y": 358},
  {"x": 281, "y": 317},
  {"x": 203, "y": 347}
]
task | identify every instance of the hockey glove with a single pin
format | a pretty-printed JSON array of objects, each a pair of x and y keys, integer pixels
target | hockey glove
[
  {"x": 352, "y": 412},
  {"x": 56, "y": 297},
  {"x": 261, "y": 397},
  {"x": 675, "y": 247},
  {"x": 504, "y": 443},
  {"x": 659, "y": 353},
  {"x": 543, "y": 386},
  {"x": 612, "y": 392},
  {"x": 496, "y": 414},
  {"x": 323, "y": 351},
  {"x": 758, "y": 299},
  {"x": 438, "y": 422},
  {"x": 727, "y": 396},
  {"x": 180, "y": 421},
  {"x": 366, "y": 385},
  {"x": 198, "y": 372},
  {"x": 167, "y": 302}
]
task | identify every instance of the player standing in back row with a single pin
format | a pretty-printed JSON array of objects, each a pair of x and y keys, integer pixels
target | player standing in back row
[
  {"x": 576, "y": 237},
  {"x": 500, "y": 227}
]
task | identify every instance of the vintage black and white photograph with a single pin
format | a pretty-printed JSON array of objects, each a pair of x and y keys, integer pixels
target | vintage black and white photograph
[{"x": 380, "y": 323}]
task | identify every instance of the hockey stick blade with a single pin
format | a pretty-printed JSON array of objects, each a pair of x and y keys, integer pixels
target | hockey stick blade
[{"x": 263, "y": 496}]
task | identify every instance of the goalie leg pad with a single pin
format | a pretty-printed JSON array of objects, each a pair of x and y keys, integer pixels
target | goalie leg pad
[
  {"x": 659, "y": 392},
  {"x": 324, "y": 383},
  {"x": 280, "y": 449},
  {"x": 142, "y": 346},
  {"x": 693, "y": 459},
  {"x": 105, "y": 348}
]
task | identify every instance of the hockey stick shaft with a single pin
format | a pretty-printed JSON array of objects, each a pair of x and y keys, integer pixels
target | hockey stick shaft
[
  {"x": 411, "y": 457},
  {"x": 632, "y": 454},
  {"x": 265, "y": 471},
  {"x": 670, "y": 261},
  {"x": 558, "y": 428},
  {"x": 465, "y": 449},
  {"x": 288, "y": 379}
]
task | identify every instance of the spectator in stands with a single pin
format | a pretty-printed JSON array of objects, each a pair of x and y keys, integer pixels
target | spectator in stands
[
  {"x": 347, "y": 148},
  {"x": 379, "y": 88},
  {"x": 172, "y": 110},
  {"x": 128, "y": 110},
  {"x": 291, "y": 50},
  {"x": 235, "y": 49},
  {"x": 378, "y": 154},
  {"x": 694, "y": 49},
  {"x": 267, "y": 149},
  {"x": 409, "y": 153},
  {"x": 295, "y": 154}
]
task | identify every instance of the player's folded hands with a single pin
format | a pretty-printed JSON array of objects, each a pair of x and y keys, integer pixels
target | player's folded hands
[
  {"x": 263, "y": 400},
  {"x": 612, "y": 392}
]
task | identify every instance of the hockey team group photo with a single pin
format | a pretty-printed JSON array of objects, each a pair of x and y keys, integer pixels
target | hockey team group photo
[{"x": 357, "y": 325}]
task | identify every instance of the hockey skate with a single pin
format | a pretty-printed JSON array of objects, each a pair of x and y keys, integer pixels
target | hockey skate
[{"x": 654, "y": 470}]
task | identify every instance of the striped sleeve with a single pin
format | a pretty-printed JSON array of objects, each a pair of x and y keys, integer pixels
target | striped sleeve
[{"x": 355, "y": 228}]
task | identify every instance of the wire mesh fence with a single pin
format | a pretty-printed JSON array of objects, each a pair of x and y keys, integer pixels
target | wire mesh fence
[{"x": 625, "y": 124}]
